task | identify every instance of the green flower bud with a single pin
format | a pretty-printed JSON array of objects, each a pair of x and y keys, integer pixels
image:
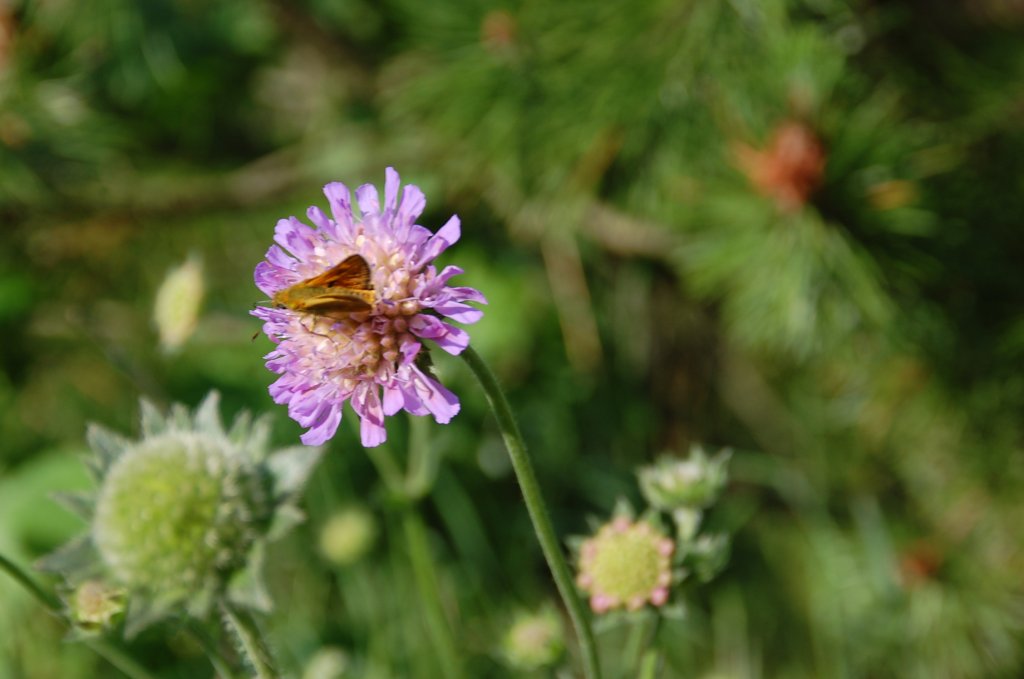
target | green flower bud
[
  {"x": 534, "y": 640},
  {"x": 330, "y": 662},
  {"x": 94, "y": 605},
  {"x": 177, "y": 303},
  {"x": 671, "y": 483},
  {"x": 708, "y": 555},
  {"x": 178, "y": 512},
  {"x": 347, "y": 536},
  {"x": 181, "y": 518}
]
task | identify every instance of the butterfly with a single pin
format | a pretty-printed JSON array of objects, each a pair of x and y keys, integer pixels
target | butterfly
[{"x": 343, "y": 289}]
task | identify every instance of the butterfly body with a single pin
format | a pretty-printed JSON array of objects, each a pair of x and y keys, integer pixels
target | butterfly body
[{"x": 344, "y": 288}]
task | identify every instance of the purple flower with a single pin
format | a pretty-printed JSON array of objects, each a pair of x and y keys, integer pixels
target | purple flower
[{"x": 368, "y": 357}]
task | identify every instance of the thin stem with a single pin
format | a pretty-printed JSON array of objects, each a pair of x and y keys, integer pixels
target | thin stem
[
  {"x": 250, "y": 641},
  {"x": 118, "y": 658},
  {"x": 421, "y": 468},
  {"x": 538, "y": 511},
  {"x": 634, "y": 642},
  {"x": 641, "y": 656},
  {"x": 649, "y": 664},
  {"x": 426, "y": 584},
  {"x": 106, "y": 650},
  {"x": 221, "y": 665},
  {"x": 45, "y": 598},
  {"x": 388, "y": 469}
]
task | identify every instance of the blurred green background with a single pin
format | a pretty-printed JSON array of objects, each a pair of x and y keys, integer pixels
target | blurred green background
[{"x": 792, "y": 228}]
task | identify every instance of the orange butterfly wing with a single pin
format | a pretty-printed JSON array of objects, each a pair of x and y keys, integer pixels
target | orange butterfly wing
[
  {"x": 344, "y": 288},
  {"x": 352, "y": 273}
]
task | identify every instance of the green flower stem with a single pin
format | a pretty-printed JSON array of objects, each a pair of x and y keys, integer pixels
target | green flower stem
[
  {"x": 118, "y": 658},
  {"x": 388, "y": 469},
  {"x": 426, "y": 583},
  {"x": 649, "y": 665},
  {"x": 106, "y": 650},
  {"x": 421, "y": 468},
  {"x": 251, "y": 643},
  {"x": 221, "y": 665},
  {"x": 408, "y": 488},
  {"x": 538, "y": 512},
  {"x": 45, "y": 598},
  {"x": 640, "y": 658}
]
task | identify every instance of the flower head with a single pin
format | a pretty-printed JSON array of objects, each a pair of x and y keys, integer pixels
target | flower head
[
  {"x": 626, "y": 564},
  {"x": 374, "y": 357},
  {"x": 181, "y": 517}
]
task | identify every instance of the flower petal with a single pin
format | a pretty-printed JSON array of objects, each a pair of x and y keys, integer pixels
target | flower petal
[
  {"x": 341, "y": 208},
  {"x": 459, "y": 312},
  {"x": 325, "y": 429},
  {"x": 366, "y": 402},
  {"x": 443, "y": 404},
  {"x": 322, "y": 221},
  {"x": 467, "y": 295},
  {"x": 295, "y": 237},
  {"x": 393, "y": 400},
  {"x": 448, "y": 337},
  {"x": 413, "y": 202},
  {"x": 369, "y": 201},
  {"x": 440, "y": 241},
  {"x": 391, "y": 184}
]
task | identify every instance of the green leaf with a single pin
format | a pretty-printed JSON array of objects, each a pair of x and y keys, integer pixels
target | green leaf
[
  {"x": 152, "y": 419},
  {"x": 76, "y": 561},
  {"x": 106, "y": 446},
  {"x": 247, "y": 587},
  {"x": 80, "y": 503},
  {"x": 290, "y": 469},
  {"x": 285, "y": 518},
  {"x": 144, "y": 612},
  {"x": 207, "y": 417}
]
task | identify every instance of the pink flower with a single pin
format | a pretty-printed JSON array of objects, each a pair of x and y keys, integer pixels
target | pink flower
[
  {"x": 625, "y": 564},
  {"x": 372, "y": 358}
]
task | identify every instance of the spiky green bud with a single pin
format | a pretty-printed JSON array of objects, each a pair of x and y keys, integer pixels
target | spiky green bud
[
  {"x": 178, "y": 512},
  {"x": 182, "y": 516},
  {"x": 671, "y": 483}
]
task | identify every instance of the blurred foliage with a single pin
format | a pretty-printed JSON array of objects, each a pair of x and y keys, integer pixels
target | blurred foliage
[{"x": 790, "y": 227}]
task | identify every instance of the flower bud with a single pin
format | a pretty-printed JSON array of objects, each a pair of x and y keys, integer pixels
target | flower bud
[
  {"x": 708, "y": 555},
  {"x": 330, "y": 662},
  {"x": 95, "y": 604},
  {"x": 176, "y": 308},
  {"x": 672, "y": 483},
  {"x": 181, "y": 518},
  {"x": 534, "y": 640},
  {"x": 177, "y": 512},
  {"x": 347, "y": 536}
]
